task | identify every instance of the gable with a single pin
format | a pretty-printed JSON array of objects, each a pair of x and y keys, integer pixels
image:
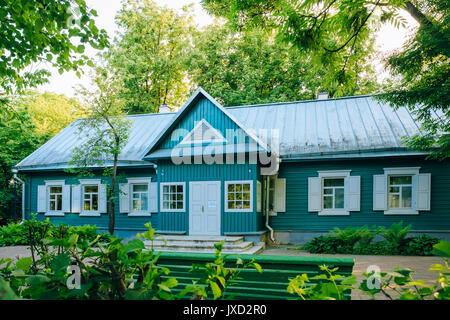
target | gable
[
  {"x": 202, "y": 108},
  {"x": 203, "y": 133}
]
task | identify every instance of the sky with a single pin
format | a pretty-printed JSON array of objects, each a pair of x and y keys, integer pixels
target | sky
[{"x": 389, "y": 38}]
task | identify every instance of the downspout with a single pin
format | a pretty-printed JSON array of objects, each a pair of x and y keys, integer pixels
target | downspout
[
  {"x": 15, "y": 177},
  {"x": 267, "y": 210}
]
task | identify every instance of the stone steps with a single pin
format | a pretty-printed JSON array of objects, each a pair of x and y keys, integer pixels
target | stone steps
[{"x": 205, "y": 244}]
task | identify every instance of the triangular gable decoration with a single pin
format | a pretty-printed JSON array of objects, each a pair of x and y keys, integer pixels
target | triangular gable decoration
[{"x": 202, "y": 133}]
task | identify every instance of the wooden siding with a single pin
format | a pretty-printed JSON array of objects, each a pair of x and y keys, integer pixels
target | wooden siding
[
  {"x": 123, "y": 221},
  {"x": 204, "y": 109},
  {"x": 231, "y": 221},
  {"x": 297, "y": 216}
]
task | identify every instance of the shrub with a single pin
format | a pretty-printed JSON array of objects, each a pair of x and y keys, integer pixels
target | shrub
[
  {"x": 421, "y": 246},
  {"x": 361, "y": 241}
]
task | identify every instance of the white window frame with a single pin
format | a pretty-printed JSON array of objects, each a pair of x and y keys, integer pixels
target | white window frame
[
  {"x": 336, "y": 174},
  {"x": 226, "y": 195},
  {"x": 402, "y": 171},
  {"x": 90, "y": 182},
  {"x": 54, "y": 183},
  {"x": 139, "y": 181},
  {"x": 161, "y": 196},
  {"x": 186, "y": 140}
]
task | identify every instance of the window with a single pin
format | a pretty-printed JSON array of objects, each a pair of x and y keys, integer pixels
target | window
[
  {"x": 400, "y": 192},
  {"x": 239, "y": 196},
  {"x": 333, "y": 193},
  {"x": 139, "y": 197},
  {"x": 55, "y": 198},
  {"x": 172, "y": 197},
  {"x": 90, "y": 198}
]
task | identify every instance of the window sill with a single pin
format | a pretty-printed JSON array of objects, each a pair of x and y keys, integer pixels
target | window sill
[
  {"x": 140, "y": 214},
  {"x": 54, "y": 214},
  {"x": 333, "y": 213},
  {"x": 90, "y": 214},
  {"x": 238, "y": 210},
  {"x": 401, "y": 212}
]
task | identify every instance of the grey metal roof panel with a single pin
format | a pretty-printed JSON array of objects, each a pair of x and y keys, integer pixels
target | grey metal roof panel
[{"x": 313, "y": 127}]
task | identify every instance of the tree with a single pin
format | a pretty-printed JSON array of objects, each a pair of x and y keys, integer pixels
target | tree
[
  {"x": 104, "y": 132},
  {"x": 50, "y": 112},
  {"x": 252, "y": 67},
  {"x": 44, "y": 30},
  {"x": 18, "y": 139},
  {"x": 334, "y": 31},
  {"x": 149, "y": 56}
]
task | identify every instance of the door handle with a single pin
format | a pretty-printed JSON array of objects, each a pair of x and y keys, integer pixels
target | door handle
[{"x": 203, "y": 208}]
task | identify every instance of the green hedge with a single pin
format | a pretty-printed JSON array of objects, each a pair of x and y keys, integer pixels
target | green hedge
[
  {"x": 361, "y": 241},
  {"x": 15, "y": 234}
]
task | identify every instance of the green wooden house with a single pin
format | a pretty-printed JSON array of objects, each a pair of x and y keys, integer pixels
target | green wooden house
[{"x": 285, "y": 171}]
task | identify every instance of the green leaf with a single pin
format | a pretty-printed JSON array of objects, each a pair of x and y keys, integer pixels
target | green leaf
[
  {"x": 442, "y": 249},
  {"x": 24, "y": 263},
  {"x": 134, "y": 245},
  {"x": 60, "y": 262},
  {"x": 216, "y": 290}
]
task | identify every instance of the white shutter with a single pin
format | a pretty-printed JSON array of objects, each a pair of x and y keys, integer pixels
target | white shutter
[
  {"x": 42, "y": 199},
  {"x": 352, "y": 193},
  {"x": 153, "y": 196},
  {"x": 66, "y": 198},
  {"x": 314, "y": 194},
  {"x": 258, "y": 197},
  {"x": 76, "y": 198},
  {"x": 124, "y": 197},
  {"x": 280, "y": 195},
  {"x": 379, "y": 192},
  {"x": 423, "y": 191},
  {"x": 102, "y": 198}
]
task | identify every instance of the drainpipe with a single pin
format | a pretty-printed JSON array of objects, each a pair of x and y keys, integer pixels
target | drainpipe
[
  {"x": 16, "y": 178},
  {"x": 267, "y": 210}
]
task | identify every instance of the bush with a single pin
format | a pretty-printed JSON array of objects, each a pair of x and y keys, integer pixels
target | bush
[
  {"x": 16, "y": 234},
  {"x": 361, "y": 241}
]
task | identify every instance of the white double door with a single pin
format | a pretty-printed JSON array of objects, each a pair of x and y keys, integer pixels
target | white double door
[{"x": 204, "y": 207}]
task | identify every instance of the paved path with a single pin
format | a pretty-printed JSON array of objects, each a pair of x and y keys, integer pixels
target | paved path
[{"x": 386, "y": 263}]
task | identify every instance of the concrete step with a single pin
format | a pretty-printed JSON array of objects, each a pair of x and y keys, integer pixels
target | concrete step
[
  {"x": 201, "y": 245},
  {"x": 209, "y": 239},
  {"x": 205, "y": 244}
]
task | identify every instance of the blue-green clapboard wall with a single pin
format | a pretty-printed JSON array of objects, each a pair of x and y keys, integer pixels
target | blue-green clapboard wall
[
  {"x": 297, "y": 216},
  {"x": 231, "y": 222},
  {"x": 122, "y": 220}
]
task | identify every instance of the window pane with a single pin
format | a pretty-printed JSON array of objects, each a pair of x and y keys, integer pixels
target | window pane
[
  {"x": 406, "y": 197},
  {"x": 230, "y": 187},
  {"x": 400, "y": 180},
  {"x": 94, "y": 202},
  {"x": 328, "y": 202},
  {"x": 247, "y": 187},
  {"x": 394, "y": 189},
  {"x": 327, "y": 191},
  {"x": 230, "y": 204},
  {"x": 247, "y": 196},
  {"x": 165, "y": 189},
  {"x": 238, "y": 187},
  {"x": 144, "y": 202},
  {"x": 180, "y": 196},
  {"x": 246, "y": 204},
  {"x": 339, "y": 198},
  {"x": 230, "y": 196},
  {"x": 179, "y": 188},
  {"x": 394, "y": 200},
  {"x": 238, "y": 196},
  {"x": 238, "y": 205},
  {"x": 333, "y": 182},
  {"x": 166, "y": 197},
  {"x": 90, "y": 189},
  {"x": 173, "y": 188},
  {"x": 55, "y": 189},
  {"x": 179, "y": 205},
  {"x": 52, "y": 196},
  {"x": 140, "y": 187},
  {"x": 52, "y": 205},
  {"x": 136, "y": 206},
  {"x": 166, "y": 205},
  {"x": 87, "y": 206}
]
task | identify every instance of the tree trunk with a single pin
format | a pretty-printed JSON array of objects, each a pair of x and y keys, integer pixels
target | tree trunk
[
  {"x": 112, "y": 215},
  {"x": 417, "y": 14}
]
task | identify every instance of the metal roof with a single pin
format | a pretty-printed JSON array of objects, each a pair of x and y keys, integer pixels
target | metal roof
[{"x": 315, "y": 128}]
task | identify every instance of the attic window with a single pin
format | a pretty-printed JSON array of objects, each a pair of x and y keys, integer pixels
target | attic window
[{"x": 203, "y": 132}]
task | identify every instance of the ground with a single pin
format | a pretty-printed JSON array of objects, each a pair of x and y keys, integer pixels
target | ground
[{"x": 386, "y": 263}]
